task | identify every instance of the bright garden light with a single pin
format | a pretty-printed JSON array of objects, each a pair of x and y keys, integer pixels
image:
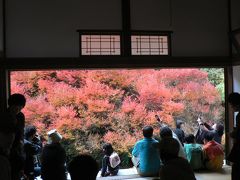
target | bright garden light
[{"x": 89, "y": 107}]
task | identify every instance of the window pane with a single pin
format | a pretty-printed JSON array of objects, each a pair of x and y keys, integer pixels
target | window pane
[
  {"x": 100, "y": 45},
  {"x": 149, "y": 45}
]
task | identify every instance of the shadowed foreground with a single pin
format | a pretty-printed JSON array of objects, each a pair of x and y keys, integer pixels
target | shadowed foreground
[{"x": 131, "y": 174}]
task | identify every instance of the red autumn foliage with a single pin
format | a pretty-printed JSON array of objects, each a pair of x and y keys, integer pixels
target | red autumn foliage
[{"x": 113, "y": 105}]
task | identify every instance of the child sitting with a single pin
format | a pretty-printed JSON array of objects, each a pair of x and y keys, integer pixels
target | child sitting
[
  {"x": 213, "y": 153},
  {"x": 110, "y": 162},
  {"x": 193, "y": 152}
]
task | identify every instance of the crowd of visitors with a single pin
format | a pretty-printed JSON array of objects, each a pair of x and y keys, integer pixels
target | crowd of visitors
[{"x": 23, "y": 155}]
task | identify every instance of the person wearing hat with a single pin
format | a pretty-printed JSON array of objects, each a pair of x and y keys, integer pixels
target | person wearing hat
[{"x": 53, "y": 158}]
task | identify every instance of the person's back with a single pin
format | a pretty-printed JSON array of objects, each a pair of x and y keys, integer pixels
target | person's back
[
  {"x": 234, "y": 155},
  {"x": 166, "y": 132},
  {"x": 83, "y": 167},
  {"x": 107, "y": 167},
  {"x": 174, "y": 167},
  {"x": 14, "y": 120},
  {"x": 201, "y": 131},
  {"x": 17, "y": 156},
  {"x": 179, "y": 132},
  {"x": 217, "y": 129},
  {"x": 213, "y": 153},
  {"x": 53, "y": 160},
  {"x": 177, "y": 168},
  {"x": 148, "y": 153},
  {"x": 194, "y": 152}
]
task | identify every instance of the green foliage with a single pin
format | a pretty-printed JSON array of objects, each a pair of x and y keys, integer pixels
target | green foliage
[
  {"x": 126, "y": 161},
  {"x": 216, "y": 77}
]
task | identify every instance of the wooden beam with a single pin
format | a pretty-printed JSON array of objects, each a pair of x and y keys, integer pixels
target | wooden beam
[{"x": 114, "y": 62}]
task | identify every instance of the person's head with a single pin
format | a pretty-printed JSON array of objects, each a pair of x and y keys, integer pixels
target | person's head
[
  {"x": 147, "y": 131},
  {"x": 179, "y": 123},
  {"x": 190, "y": 139},
  {"x": 30, "y": 132},
  {"x": 165, "y": 132},
  {"x": 168, "y": 148},
  {"x": 6, "y": 141},
  {"x": 16, "y": 102},
  {"x": 83, "y": 167},
  {"x": 107, "y": 149},
  {"x": 54, "y": 137},
  {"x": 234, "y": 101},
  {"x": 208, "y": 136}
]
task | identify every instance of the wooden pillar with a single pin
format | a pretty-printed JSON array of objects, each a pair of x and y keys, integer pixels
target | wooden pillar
[
  {"x": 3, "y": 89},
  {"x": 126, "y": 28},
  {"x": 229, "y": 115},
  {"x": 3, "y": 71}
]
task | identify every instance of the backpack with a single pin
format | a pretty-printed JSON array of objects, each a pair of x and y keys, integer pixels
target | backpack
[
  {"x": 196, "y": 160},
  {"x": 114, "y": 160}
]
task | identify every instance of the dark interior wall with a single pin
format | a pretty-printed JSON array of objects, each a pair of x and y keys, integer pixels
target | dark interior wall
[
  {"x": 150, "y": 15},
  {"x": 42, "y": 28},
  {"x": 201, "y": 28},
  {"x": 1, "y": 27},
  {"x": 235, "y": 14}
]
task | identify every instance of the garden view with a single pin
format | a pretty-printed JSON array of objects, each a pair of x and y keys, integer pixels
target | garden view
[{"x": 90, "y": 107}]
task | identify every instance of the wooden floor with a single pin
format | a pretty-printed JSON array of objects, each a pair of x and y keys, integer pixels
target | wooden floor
[{"x": 131, "y": 174}]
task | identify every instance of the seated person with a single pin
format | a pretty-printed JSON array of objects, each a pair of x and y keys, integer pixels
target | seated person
[
  {"x": 166, "y": 132},
  {"x": 107, "y": 167},
  {"x": 174, "y": 167},
  {"x": 213, "y": 153},
  {"x": 194, "y": 152},
  {"x": 83, "y": 167},
  {"x": 147, "y": 152},
  {"x": 217, "y": 129}
]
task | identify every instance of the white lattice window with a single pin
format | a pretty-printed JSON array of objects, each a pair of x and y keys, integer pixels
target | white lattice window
[
  {"x": 100, "y": 45},
  {"x": 149, "y": 45}
]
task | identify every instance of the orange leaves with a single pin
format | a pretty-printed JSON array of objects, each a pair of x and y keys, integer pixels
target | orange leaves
[
  {"x": 113, "y": 105},
  {"x": 122, "y": 142},
  {"x": 128, "y": 106},
  {"x": 99, "y": 105}
]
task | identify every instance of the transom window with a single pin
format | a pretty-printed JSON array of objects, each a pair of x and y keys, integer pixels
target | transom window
[
  {"x": 104, "y": 42},
  {"x": 149, "y": 45},
  {"x": 100, "y": 45}
]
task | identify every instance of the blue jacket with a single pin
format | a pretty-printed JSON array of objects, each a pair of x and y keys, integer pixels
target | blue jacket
[{"x": 147, "y": 150}]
